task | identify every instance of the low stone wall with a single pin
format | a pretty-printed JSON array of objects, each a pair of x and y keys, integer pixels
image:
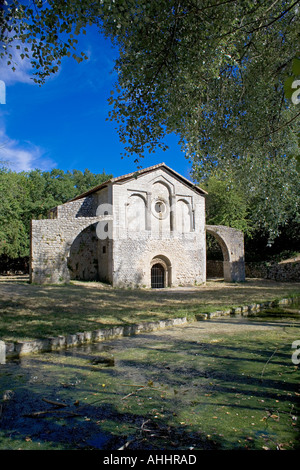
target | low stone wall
[
  {"x": 23, "y": 348},
  {"x": 214, "y": 268},
  {"x": 13, "y": 266},
  {"x": 244, "y": 310},
  {"x": 284, "y": 271}
]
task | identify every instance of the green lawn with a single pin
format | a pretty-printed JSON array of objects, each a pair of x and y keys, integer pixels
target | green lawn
[{"x": 31, "y": 311}]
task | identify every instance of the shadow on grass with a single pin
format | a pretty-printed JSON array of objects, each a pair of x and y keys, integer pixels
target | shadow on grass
[
  {"x": 30, "y": 311},
  {"x": 194, "y": 381}
]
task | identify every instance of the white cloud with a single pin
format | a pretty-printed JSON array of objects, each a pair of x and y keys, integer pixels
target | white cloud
[
  {"x": 20, "y": 75},
  {"x": 23, "y": 156},
  {"x": 23, "y": 69}
]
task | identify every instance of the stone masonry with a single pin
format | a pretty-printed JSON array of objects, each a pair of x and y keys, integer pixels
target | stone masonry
[{"x": 145, "y": 229}]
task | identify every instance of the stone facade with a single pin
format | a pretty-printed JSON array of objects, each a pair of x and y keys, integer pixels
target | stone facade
[{"x": 145, "y": 229}]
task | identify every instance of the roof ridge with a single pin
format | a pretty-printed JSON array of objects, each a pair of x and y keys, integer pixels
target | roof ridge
[
  {"x": 138, "y": 172},
  {"x": 128, "y": 175}
]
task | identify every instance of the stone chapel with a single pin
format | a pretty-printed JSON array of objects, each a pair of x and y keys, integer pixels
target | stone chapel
[{"x": 144, "y": 229}]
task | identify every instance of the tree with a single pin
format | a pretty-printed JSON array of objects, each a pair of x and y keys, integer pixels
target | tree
[
  {"x": 226, "y": 203},
  {"x": 13, "y": 234},
  {"x": 30, "y": 195},
  {"x": 211, "y": 71},
  {"x": 264, "y": 208},
  {"x": 214, "y": 72}
]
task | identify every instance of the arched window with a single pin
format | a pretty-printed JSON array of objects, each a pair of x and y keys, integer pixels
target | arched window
[
  {"x": 136, "y": 213},
  {"x": 184, "y": 216}
]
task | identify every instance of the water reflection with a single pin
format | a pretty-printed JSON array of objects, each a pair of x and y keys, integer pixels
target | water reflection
[{"x": 67, "y": 399}]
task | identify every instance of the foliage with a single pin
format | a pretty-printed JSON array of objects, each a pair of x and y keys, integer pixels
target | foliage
[
  {"x": 226, "y": 204},
  {"x": 30, "y": 195},
  {"x": 218, "y": 74},
  {"x": 266, "y": 209},
  {"x": 212, "y": 72},
  {"x": 41, "y": 32},
  {"x": 263, "y": 201},
  {"x": 13, "y": 236}
]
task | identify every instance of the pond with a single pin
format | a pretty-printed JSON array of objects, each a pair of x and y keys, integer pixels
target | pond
[{"x": 225, "y": 383}]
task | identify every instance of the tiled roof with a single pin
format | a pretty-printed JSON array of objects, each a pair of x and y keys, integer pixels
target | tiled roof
[{"x": 138, "y": 173}]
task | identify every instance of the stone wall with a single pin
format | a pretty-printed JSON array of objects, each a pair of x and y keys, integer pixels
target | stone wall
[
  {"x": 51, "y": 243},
  {"x": 84, "y": 207},
  {"x": 174, "y": 237},
  {"x": 11, "y": 266},
  {"x": 65, "y": 246},
  {"x": 214, "y": 269},
  {"x": 284, "y": 271},
  {"x": 183, "y": 260}
]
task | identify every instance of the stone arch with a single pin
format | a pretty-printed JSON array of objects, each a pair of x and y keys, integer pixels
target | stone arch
[
  {"x": 162, "y": 183},
  {"x": 161, "y": 193},
  {"x": 82, "y": 260},
  {"x": 166, "y": 182},
  {"x": 163, "y": 261},
  {"x": 140, "y": 196},
  {"x": 184, "y": 216},
  {"x": 231, "y": 242},
  {"x": 52, "y": 241},
  {"x": 136, "y": 212}
]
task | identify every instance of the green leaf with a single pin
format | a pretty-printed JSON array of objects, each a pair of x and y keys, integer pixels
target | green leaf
[
  {"x": 296, "y": 67},
  {"x": 288, "y": 91}
]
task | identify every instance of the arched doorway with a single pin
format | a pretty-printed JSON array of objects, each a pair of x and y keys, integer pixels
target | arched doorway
[
  {"x": 157, "y": 276},
  {"x": 161, "y": 272}
]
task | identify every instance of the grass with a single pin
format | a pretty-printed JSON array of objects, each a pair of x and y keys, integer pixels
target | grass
[
  {"x": 30, "y": 311},
  {"x": 228, "y": 383}
]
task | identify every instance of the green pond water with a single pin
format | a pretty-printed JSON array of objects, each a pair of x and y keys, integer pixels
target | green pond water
[{"x": 226, "y": 383}]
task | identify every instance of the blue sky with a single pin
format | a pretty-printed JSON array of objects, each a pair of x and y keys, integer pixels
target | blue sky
[{"x": 62, "y": 124}]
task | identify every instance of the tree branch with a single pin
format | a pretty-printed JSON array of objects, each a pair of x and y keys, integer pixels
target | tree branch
[
  {"x": 278, "y": 128},
  {"x": 275, "y": 19}
]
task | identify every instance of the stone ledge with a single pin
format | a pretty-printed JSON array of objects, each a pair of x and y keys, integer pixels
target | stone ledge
[
  {"x": 56, "y": 343},
  {"x": 244, "y": 310},
  {"x": 22, "y": 348}
]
